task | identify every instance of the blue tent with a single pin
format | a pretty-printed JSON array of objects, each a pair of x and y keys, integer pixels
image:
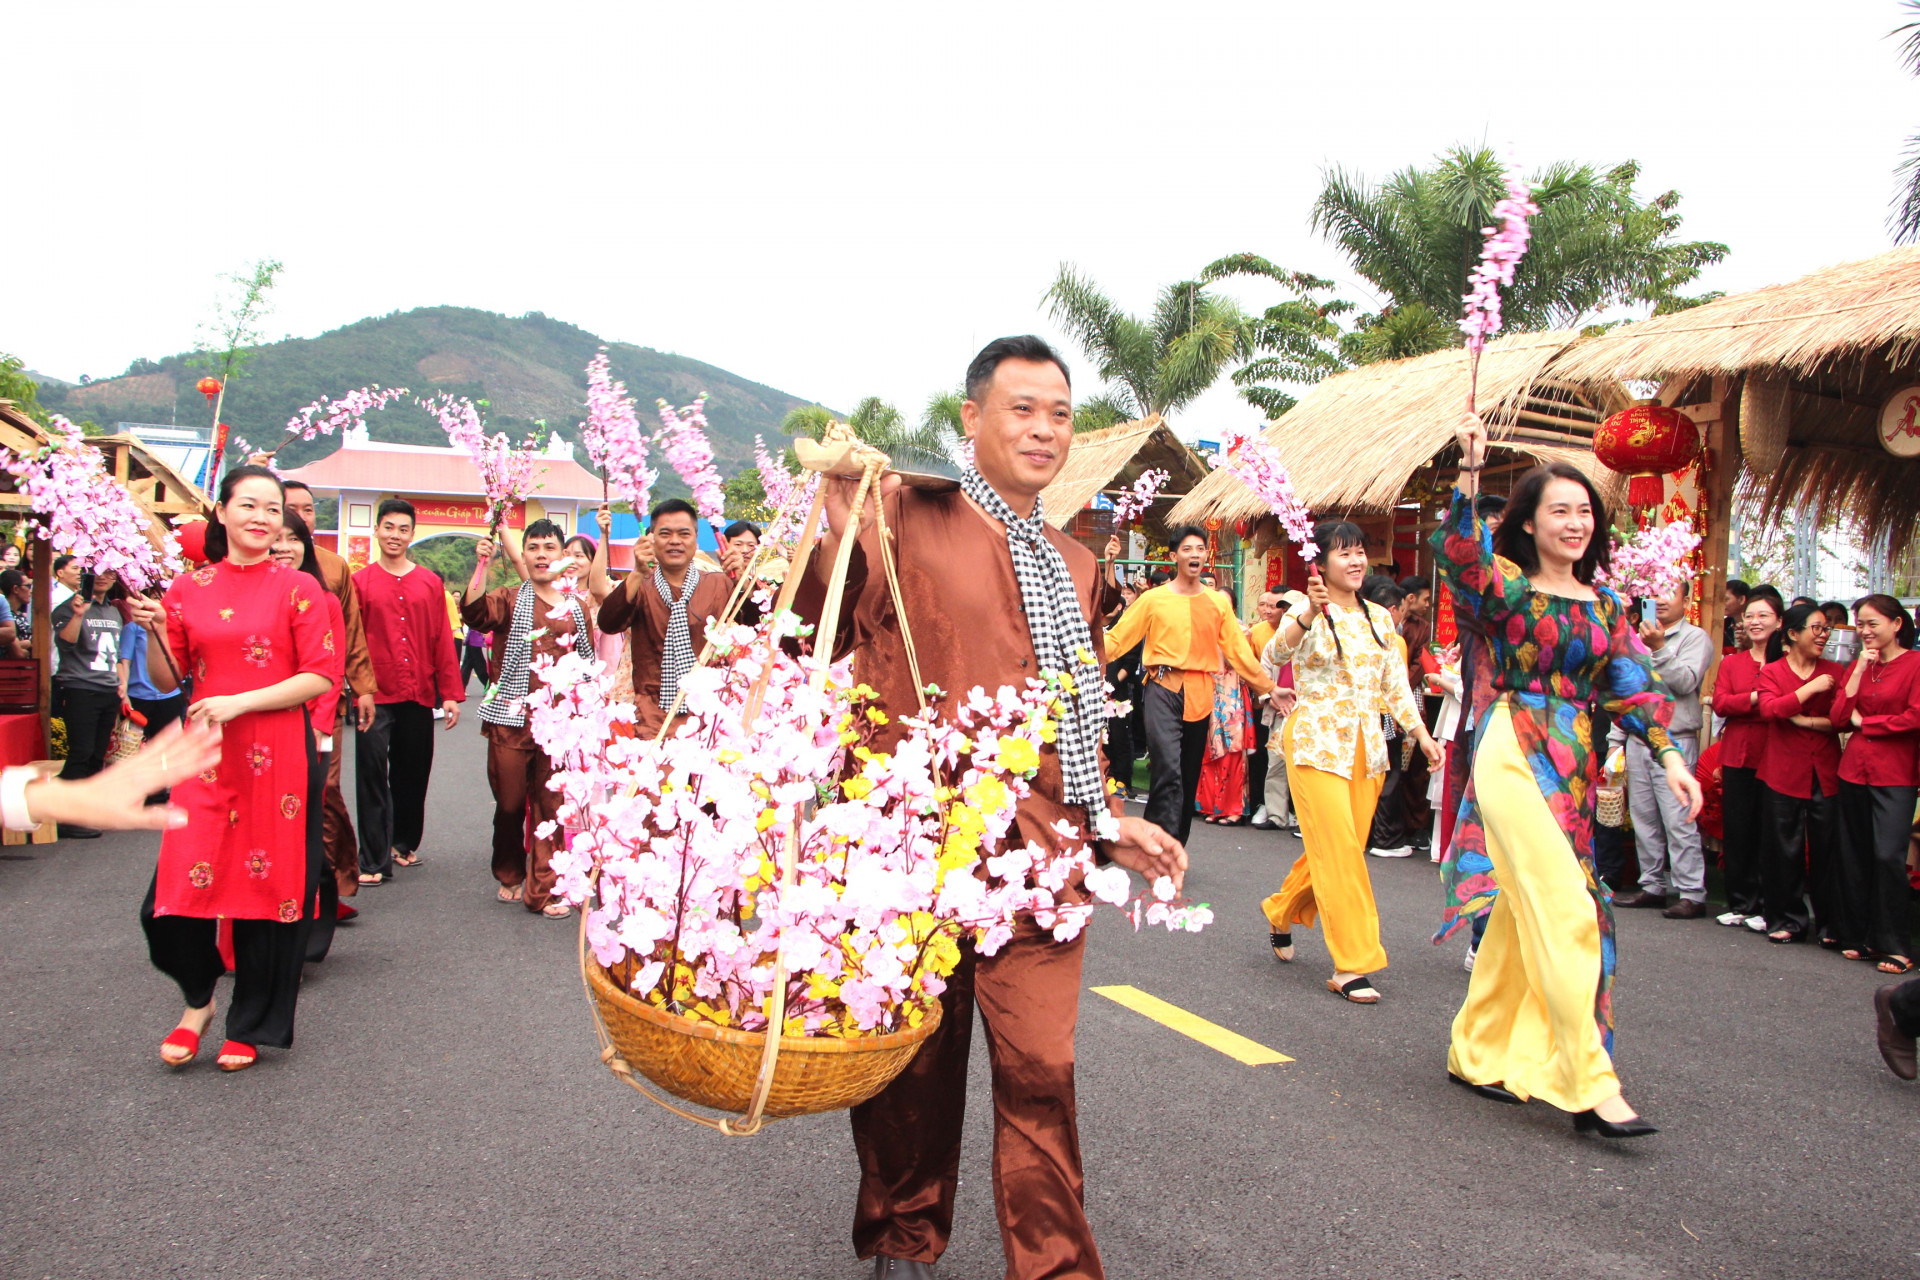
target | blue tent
[{"x": 626, "y": 530}]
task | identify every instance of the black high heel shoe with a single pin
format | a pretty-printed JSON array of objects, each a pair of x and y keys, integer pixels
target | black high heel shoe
[
  {"x": 1491, "y": 1091},
  {"x": 1591, "y": 1122}
]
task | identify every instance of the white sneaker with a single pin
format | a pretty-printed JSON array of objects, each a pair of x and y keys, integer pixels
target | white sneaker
[
  {"x": 1730, "y": 919},
  {"x": 1757, "y": 923},
  {"x": 1404, "y": 851},
  {"x": 1260, "y": 816},
  {"x": 1471, "y": 952}
]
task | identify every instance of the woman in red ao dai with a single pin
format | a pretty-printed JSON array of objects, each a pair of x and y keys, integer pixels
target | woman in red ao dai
[{"x": 253, "y": 639}]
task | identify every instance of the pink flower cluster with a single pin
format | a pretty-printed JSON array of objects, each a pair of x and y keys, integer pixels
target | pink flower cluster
[
  {"x": 683, "y": 438},
  {"x": 1653, "y": 562},
  {"x": 1505, "y": 246},
  {"x": 506, "y": 472},
  {"x": 324, "y": 416},
  {"x": 613, "y": 437},
  {"x": 1131, "y": 505},
  {"x": 897, "y": 853},
  {"x": 789, "y": 498},
  {"x": 90, "y": 515},
  {"x": 1257, "y": 463}
]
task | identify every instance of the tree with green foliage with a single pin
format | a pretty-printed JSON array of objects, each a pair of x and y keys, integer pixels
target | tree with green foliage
[
  {"x": 1596, "y": 244},
  {"x": 226, "y": 342},
  {"x": 746, "y": 497},
  {"x": 16, "y": 386},
  {"x": 1296, "y": 341},
  {"x": 1158, "y": 364},
  {"x": 1905, "y": 222}
]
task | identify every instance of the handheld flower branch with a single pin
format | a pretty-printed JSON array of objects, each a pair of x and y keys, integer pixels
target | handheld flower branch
[
  {"x": 90, "y": 515},
  {"x": 683, "y": 438},
  {"x": 1131, "y": 505},
  {"x": 1653, "y": 562},
  {"x": 506, "y": 473},
  {"x": 613, "y": 438},
  {"x": 1257, "y": 464},
  {"x": 326, "y": 415},
  {"x": 1505, "y": 245}
]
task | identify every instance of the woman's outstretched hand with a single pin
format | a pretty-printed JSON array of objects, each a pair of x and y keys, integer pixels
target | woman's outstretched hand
[{"x": 115, "y": 799}]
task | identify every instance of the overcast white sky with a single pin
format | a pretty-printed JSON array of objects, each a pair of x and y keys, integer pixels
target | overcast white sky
[{"x": 843, "y": 200}]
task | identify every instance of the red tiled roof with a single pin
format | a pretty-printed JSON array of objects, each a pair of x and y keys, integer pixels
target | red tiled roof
[{"x": 393, "y": 468}]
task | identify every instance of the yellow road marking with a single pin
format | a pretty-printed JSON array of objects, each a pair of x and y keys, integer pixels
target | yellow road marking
[{"x": 1211, "y": 1034}]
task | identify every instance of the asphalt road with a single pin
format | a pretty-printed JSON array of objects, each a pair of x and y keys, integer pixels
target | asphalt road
[{"x": 444, "y": 1112}]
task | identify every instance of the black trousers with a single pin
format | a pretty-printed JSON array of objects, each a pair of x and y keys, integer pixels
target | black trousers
[
  {"x": 1613, "y": 859},
  {"x": 323, "y": 887},
  {"x": 1389, "y": 830},
  {"x": 160, "y": 712},
  {"x": 1176, "y": 748},
  {"x": 1800, "y": 860},
  {"x": 1742, "y": 842},
  {"x": 1120, "y": 755},
  {"x": 473, "y": 662},
  {"x": 1906, "y": 1005},
  {"x": 90, "y": 714},
  {"x": 1875, "y": 824},
  {"x": 393, "y": 758},
  {"x": 1257, "y": 766}
]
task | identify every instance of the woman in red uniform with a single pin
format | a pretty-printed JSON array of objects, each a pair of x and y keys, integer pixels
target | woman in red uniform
[
  {"x": 1801, "y": 772},
  {"x": 294, "y": 549},
  {"x": 1736, "y": 698},
  {"x": 253, "y": 638},
  {"x": 1880, "y": 703}
]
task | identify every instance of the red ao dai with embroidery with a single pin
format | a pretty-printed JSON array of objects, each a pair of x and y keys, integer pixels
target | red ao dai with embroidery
[{"x": 243, "y": 853}]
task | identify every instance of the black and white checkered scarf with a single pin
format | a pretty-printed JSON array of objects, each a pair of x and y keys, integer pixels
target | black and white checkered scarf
[
  {"x": 506, "y": 703},
  {"x": 1061, "y": 640},
  {"x": 676, "y": 656}
]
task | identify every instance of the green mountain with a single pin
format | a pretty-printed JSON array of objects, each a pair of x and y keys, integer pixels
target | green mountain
[{"x": 528, "y": 368}]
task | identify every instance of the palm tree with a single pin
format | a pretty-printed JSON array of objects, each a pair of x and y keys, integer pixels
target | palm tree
[
  {"x": 1156, "y": 365},
  {"x": 1596, "y": 244},
  {"x": 1906, "y": 205},
  {"x": 884, "y": 427}
]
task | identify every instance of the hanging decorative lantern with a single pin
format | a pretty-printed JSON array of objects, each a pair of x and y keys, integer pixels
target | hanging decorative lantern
[
  {"x": 209, "y": 387},
  {"x": 1647, "y": 442}
]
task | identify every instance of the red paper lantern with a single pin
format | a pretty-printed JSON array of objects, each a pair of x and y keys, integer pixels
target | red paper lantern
[
  {"x": 1647, "y": 442},
  {"x": 209, "y": 387}
]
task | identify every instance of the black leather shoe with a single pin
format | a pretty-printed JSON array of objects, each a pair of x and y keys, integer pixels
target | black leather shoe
[
  {"x": 885, "y": 1268},
  {"x": 1685, "y": 909},
  {"x": 1590, "y": 1122},
  {"x": 1492, "y": 1091},
  {"x": 1641, "y": 899},
  {"x": 73, "y": 831},
  {"x": 1896, "y": 1046}
]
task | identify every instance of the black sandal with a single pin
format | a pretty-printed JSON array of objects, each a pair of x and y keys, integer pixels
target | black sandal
[
  {"x": 1355, "y": 991},
  {"x": 1785, "y": 936},
  {"x": 1278, "y": 940},
  {"x": 1894, "y": 965}
]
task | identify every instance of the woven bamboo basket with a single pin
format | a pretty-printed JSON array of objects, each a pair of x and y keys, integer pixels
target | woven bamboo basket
[
  {"x": 1610, "y": 806},
  {"x": 748, "y": 1073},
  {"x": 1766, "y": 412},
  {"x": 718, "y": 1067}
]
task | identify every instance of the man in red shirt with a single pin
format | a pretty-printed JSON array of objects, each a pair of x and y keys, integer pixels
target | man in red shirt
[{"x": 404, "y": 607}]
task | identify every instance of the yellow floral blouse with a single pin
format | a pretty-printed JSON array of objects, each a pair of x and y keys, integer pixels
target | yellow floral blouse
[{"x": 1343, "y": 691}]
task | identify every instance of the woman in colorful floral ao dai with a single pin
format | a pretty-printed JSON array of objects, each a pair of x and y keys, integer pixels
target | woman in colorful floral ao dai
[
  {"x": 253, "y": 637},
  {"x": 1538, "y": 1021},
  {"x": 1347, "y": 672}
]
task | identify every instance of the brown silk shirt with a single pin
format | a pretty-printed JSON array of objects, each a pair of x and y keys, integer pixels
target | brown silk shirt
[
  {"x": 493, "y": 612},
  {"x": 339, "y": 577},
  {"x": 645, "y": 621},
  {"x": 965, "y": 615}
]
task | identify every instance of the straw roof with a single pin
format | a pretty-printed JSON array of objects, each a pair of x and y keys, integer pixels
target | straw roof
[
  {"x": 1842, "y": 340},
  {"x": 1796, "y": 328},
  {"x": 1115, "y": 457},
  {"x": 1355, "y": 440}
]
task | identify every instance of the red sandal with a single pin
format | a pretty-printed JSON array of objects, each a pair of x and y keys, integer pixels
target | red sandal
[
  {"x": 234, "y": 1049},
  {"x": 181, "y": 1038}
]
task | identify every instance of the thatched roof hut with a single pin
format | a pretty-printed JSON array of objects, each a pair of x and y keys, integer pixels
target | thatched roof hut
[
  {"x": 1355, "y": 441},
  {"x": 1113, "y": 458},
  {"x": 1803, "y": 371}
]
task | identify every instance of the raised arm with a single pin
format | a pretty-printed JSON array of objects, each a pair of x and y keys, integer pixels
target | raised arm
[{"x": 599, "y": 581}]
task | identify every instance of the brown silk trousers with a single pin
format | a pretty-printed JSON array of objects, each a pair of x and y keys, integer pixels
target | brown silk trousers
[
  {"x": 908, "y": 1137},
  {"x": 343, "y": 851},
  {"x": 521, "y": 803}
]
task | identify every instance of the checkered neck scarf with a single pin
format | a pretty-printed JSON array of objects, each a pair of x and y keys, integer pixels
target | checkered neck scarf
[
  {"x": 506, "y": 702},
  {"x": 1060, "y": 638},
  {"x": 676, "y": 657}
]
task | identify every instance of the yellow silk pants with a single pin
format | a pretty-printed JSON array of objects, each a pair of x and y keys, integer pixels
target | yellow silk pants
[
  {"x": 1336, "y": 817},
  {"x": 1528, "y": 1021}
]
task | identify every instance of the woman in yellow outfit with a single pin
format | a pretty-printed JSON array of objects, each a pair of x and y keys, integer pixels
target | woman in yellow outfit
[
  {"x": 1538, "y": 1018},
  {"x": 1347, "y": 671}
]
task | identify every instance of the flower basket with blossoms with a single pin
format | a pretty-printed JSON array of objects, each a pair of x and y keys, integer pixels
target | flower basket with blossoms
[{"x": 789, "y": 859}]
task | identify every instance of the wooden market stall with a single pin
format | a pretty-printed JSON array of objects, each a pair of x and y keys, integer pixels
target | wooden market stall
[
  {"x": 26, "y": 685},
  {"x": 1106, "y": 463},
  {"x": 1807, "y": 396},
  {"x": 1375, "y": 445}
]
